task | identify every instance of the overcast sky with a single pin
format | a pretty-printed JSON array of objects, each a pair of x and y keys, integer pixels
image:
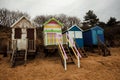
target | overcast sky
[{"x": 102, "y": 8}]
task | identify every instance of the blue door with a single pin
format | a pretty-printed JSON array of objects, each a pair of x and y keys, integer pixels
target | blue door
[
  {"x": 94, "y": 37},
  {"x": 100, "y": 35},
  {"x": 79, "y": 42}
]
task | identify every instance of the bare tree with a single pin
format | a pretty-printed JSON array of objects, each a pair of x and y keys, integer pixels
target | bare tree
[
  {"x": 67, "y": 21},
  {"x": 7, "y": 18},
  {"x": 3, "y": 16}
]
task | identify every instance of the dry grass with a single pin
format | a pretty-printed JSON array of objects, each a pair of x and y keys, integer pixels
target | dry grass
[{"x": 95, "y": 67}]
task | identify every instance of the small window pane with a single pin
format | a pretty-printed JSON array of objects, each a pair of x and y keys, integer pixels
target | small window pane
[{"x": 18, "y": 33}]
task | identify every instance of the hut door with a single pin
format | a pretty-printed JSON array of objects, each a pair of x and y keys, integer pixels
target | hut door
[
  {"x": 78, "y": 39},
  {"x": 95, "y": 41},
  {"x": 100, "y": 35},
  {"x": 30, "y": 37},
  {"x": 18, "y": 37}
]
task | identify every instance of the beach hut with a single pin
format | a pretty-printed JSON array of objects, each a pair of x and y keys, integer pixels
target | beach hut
[
  {"x": 75, "y": 33},
  {"x": 92, "y": 35},
  {"x": 24, "y": 35},
  {"x": 52, "y": 32}
]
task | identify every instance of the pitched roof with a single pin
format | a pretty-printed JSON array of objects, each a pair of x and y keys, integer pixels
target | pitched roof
[
  {"x": 23, "y": 17},
  {"x": 97, "y": 27},
  {"x": 53, "y": 19},
  {"x": 76, "y": 27},
  {"x": 72, "y": 27},
  {"x": 91, "y": 28}
]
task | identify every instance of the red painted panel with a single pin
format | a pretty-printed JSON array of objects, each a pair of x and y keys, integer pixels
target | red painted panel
[{"x": 53, "y": 22}]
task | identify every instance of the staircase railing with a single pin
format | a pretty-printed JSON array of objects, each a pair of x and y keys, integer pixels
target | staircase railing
[
  {"x": 75, "y": 51},
  {"x": 81, "y": 50},
  {"x": 64, "y": 55},
  {"x": 101, "y": 43}
]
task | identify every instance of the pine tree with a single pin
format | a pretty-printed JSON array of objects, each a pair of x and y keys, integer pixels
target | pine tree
[
  {"x": 111, "y": 21},
  {"x": 91, "y": 18}
]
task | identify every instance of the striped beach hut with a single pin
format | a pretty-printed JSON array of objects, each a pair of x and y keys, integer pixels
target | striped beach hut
[
  {"x": 92, "y": 35},
  {"x": 52, "y": 32},
  {"x": 75, "y": 33}
]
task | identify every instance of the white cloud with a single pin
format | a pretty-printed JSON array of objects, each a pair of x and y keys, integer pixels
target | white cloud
[{"x": 103, "y": 9}]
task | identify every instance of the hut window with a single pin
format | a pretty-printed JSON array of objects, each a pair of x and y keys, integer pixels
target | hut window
[
  {"x": 71, "y": 34},
  {"x": 30, "y": 33},
  {"x": 78, "y": 34},
  {"x": 18, "y": 32}
]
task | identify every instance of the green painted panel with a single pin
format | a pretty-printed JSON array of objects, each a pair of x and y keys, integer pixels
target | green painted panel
[{"x": 52, "y": 31}]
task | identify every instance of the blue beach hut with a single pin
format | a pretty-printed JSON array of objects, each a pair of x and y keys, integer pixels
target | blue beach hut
[
  {"x": 92, "y": 35},
  {"x": 75, "y": 34}
]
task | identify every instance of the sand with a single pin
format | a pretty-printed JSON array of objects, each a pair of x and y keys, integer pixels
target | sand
[{"x": 95, "y": 67}]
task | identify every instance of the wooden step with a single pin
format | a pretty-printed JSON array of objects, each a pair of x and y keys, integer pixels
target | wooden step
[
  {"x": 19, "y": 54},
  {"x": 19, "y": 59},
  {"x": 67, "y": 52},
  {"x": 70, "y": 61}
]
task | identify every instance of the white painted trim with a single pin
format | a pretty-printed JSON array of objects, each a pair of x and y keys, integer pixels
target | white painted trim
[{"x": 74, "y": 26}]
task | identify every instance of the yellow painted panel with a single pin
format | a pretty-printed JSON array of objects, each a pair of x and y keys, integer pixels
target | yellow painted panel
[
  {"x": 51, "y": 39},
  {"x": 52, "y": 26}
]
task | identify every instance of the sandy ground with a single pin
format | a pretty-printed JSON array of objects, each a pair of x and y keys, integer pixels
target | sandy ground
[{"x": 95, "y": 67}]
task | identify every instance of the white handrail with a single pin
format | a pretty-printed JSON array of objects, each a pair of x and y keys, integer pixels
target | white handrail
[
  {"x": 63, "y": 54},
  {"x": 63, "y": 50},
  {"x": 74, "y": 46},
  {"x": 78, "y": 54}
]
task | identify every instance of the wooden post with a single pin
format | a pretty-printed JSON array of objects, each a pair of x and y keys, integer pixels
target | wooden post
[
  {"x": 26, "y": 51},
  {"x": 12, "y": 55},
  {"x": 78, "y": 62},
  {"x": 7, "y": 46},
  {"x": 99, "y": 48},
  {"x": 65, "y": 64},
  {"x": 14, "y": 46}
]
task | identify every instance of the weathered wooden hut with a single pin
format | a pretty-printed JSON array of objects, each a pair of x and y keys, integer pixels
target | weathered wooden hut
[
  {"x": 52, "y": 32},
  {"x": 92, "y": 35},
  {"x": 24, "y": 35},
  {"x": 74, "y": 32}
]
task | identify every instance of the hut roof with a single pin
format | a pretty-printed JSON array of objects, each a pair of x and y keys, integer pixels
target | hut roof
[
  {"x": 23, "y": 17},
  {"x": 77, "y": 27},
  {"x": 53, "y": 19},
  {"x": 86, "y": 28},
  {"x": 97, "y": 27}
]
